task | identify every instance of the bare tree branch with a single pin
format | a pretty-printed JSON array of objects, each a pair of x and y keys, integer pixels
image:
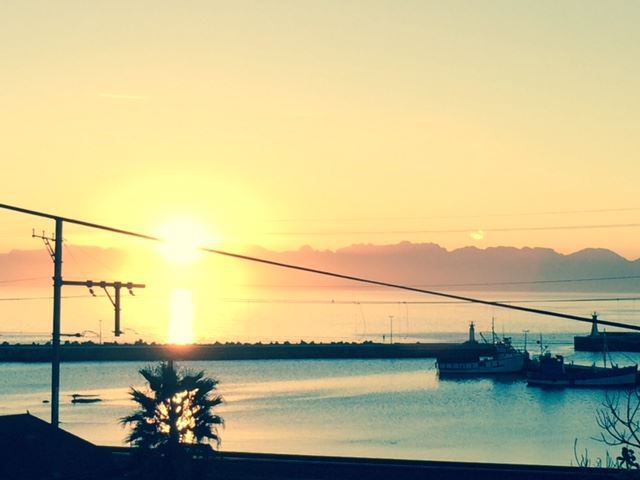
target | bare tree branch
[{"x": 618, "y": 421}]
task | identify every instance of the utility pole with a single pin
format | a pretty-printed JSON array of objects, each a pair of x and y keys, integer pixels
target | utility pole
[
  {"x": 391, "y": 329},
  {"x": 55, "y": 251},
  {"x": 55, "y": 337},
  {"x": 115, "y": 300}
]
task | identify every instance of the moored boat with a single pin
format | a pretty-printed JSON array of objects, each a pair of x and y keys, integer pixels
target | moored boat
[
  {"x": 504, "y": 359},
  {"x": 552, "y": 371},
  {"x": 85, "y": 398}
]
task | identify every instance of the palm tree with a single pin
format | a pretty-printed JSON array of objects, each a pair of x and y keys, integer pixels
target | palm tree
[{"x": 176, "y": 409}]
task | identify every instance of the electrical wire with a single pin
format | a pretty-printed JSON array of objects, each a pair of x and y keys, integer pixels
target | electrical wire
[
  {"x": 448, "y": 217},
  {"x": 26, "y": 279},
  {"x": 459, "y": 230},
  {"x": 18, "y": 299},
  {"x": 293, "y": 301},
  {"x": 69, "y": 250},
  {"x": 412, "y": 302},
  {"x": 473, "y": 284},
  {"x": 327, "y": 273},
  {"x": 470, "y": 284},
  {"x": 536, "y": 282}
]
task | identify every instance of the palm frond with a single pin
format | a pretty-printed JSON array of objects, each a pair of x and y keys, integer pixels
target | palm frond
[{"x": 178, "y": 406}]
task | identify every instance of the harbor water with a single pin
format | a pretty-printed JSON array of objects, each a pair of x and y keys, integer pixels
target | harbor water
[{"x": 367, "y": 408}]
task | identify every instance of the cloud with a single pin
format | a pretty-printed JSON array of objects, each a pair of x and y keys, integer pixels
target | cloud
[{"x": 118, "y": 96}]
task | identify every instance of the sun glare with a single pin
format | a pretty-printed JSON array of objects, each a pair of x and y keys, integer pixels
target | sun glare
[
  {"x": 182, "y": 237},
  {"x": 181, "y": 316}
]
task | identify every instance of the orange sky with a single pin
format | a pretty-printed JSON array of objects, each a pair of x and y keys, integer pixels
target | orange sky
[{"x": 285, "y": 123}]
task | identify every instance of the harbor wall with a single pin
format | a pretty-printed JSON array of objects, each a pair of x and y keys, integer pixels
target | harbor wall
[
  {"x": 615, "y": 342},
  {"x": 128, "y": 352}
]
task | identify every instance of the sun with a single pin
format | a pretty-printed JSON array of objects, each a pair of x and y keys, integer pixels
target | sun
[{"x": 181, "y": 238}]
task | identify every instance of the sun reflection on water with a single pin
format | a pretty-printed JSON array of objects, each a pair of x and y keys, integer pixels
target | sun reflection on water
[{"x": 181, "y": 316}]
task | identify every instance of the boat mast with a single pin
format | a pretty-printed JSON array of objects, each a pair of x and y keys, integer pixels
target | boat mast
[
  {"x": 493, "y": 330},
  {"x": 541, "y": 346}
]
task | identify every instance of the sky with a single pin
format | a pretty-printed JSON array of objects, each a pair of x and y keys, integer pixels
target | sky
[{"x": 287, "y": 123}]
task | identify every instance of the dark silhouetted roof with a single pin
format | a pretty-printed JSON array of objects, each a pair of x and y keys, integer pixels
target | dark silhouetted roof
[{"x": 31, "y": 448}]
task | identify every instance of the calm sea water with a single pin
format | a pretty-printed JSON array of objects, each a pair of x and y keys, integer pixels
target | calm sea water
[
  {"x": 377, "y": 408},
  {"x": 369, "y": 408}
]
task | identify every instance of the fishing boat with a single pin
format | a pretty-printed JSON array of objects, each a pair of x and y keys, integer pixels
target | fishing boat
[
  {"x": 552, "y": 371},
  {"x": 503, "y": 359}
]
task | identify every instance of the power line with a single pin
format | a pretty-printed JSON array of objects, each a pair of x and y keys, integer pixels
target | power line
[
  {"x": 413, "y": 302},
  {"x": 536, "y": 282},
  {"x": 418, "y": 290},
  {"x": 359, "y": 302},
  {"x": 26, "y": 279},
  {"x": 460, "y": 230},
  {"x": 571, "y": 212},
  {"x": 68, "y": 249},
  {"x": 469, "y": 284},
  {"x": 610, "y": 299},
  {"x": 473, "y": 284},
  {"x": 17, "y": 299},
  {"x": 326, "y": 273},
  {"x": 446, "y": 217}
]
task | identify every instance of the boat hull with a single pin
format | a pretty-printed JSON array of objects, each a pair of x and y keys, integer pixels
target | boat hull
[
  {"x": 583, "y": 376},
  {"x": 86, "y": 400},
  {"x": 512, "y": 363}
]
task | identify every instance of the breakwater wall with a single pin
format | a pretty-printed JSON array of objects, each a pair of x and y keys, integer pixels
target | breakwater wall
[
  {"x": 614, "y": 342},
  {"x": 230, "y": 351}
]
